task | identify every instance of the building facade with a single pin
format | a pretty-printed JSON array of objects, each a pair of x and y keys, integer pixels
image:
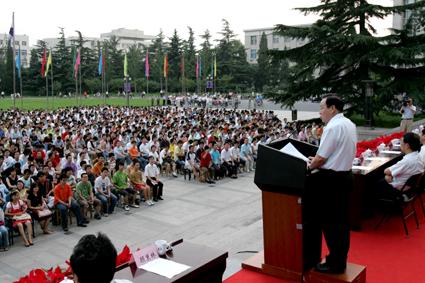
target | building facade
[
  {"x": 274, "y": 41},
  {"x": 21, "y": 41},
  {"x": 400, "y": 20},
  {"x": 129, "y": 37},
  {"x": 126, "y": 37}
]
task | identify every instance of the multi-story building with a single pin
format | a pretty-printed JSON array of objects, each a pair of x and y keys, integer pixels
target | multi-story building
[
  {"x": 274, "y": 41},
  {"x": 129, "y": 37},
  {"x": 126, "y": 37},
  {"x": 22, "y": 41},
  {"x": 89, "y": 42},
  {"x": 400, "y": 20}
]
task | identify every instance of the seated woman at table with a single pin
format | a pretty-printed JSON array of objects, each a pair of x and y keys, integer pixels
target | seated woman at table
[
  {"x": 38, "y": 207},
  {"x": 398, "y": 174},
  {"x": 16, "y": 209}
]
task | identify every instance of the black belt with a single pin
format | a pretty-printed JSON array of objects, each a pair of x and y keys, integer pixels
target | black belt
[{"x": 407, "y": 119}]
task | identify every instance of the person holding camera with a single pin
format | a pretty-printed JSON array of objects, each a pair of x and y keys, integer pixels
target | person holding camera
[{"x": 407, "y": 111}]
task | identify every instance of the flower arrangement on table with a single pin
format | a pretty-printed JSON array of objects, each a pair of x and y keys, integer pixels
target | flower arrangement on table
[
  {"x": 362, "y": 146},
  {"x": 57, "y": 275}
]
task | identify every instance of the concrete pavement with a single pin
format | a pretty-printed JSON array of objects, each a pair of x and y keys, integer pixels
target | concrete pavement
[{"x": 225, "y": 216}]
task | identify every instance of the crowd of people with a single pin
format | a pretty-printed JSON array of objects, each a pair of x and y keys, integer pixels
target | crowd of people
[{"x": 89, "y": 160}]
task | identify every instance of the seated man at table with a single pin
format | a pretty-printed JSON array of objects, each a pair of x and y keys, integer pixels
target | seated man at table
[
  {"x": 93, "y": 259},
  {"x": 398, "y": 174}
]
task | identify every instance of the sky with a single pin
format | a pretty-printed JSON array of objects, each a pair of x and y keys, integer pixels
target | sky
[{"x": 41, "y": 19}]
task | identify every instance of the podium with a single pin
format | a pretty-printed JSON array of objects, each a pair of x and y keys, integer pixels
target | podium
[
  {"x": 290, "y": 247},
  {"x": 292, "y": 242}
]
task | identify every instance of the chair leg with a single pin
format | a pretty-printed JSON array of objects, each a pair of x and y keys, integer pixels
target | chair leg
[
  {"x": 421, "y": 203},
  {"x": 385, "y": 216},
  {"x": 404, "y": 221},
  {"x": 415, "y": 214}
]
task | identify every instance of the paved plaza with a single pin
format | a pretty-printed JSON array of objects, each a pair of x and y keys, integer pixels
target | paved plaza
[{"x": 226, "y": 216}]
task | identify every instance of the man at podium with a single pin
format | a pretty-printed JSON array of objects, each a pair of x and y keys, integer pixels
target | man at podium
[{"x": 334, "y": 160}]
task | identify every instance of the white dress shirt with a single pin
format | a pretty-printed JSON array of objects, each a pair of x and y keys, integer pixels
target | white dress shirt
[
  {"x": 405, "y": 168},
  {"x": 338, "y": 144}
]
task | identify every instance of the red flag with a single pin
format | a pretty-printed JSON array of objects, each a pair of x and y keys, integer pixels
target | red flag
[
  {"x": 43, "y": 63},
  {"x": 165, "y": 66},
  {"x": 77, "y": 64},
  {"x": 147, "y": 64}
]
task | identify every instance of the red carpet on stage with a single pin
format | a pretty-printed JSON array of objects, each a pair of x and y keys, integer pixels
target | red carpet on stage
[{"x": 389, "y": 255}]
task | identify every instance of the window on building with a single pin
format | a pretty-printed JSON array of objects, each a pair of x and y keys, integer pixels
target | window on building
[
  {"x": 24, "y": 53},
  {"x": 253, "y": 54},
  {"x": 24, "y": 43},
  {"x": 17, "y": 43},
  {"x": 1, "y": 42},
  {"x": 253, "y": 40}
]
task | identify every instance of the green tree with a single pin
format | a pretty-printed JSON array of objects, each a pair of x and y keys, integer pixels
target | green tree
[
  {"x": 189, "y": 51},
  {"x": 342, "y": 53},
  {"x": 62, "y": 65},
  {"x": 263, "y": 64},
  {"x": 33, "y": 83},
  {"x": 174, "y": 62},
  {"x": 156, "y": 61}
]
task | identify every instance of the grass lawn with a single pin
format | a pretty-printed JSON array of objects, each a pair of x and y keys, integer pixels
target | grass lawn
[{"x": 30, "y": 103}]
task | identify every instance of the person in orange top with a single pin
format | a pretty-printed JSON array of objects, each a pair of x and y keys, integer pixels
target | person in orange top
[
  {"x": 98, "y": 166},
  {"x": 134, "y": 154},
  {"x": 64, "y": 201}
]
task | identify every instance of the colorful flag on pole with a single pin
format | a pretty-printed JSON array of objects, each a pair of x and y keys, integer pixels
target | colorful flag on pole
[
  {"x": 200, "y": 67},
  {"x": 215, "y": 66},
  {"x": 125, "y": 65},
  {"x": 18, "y": 62},
  {"x": 100, "y": 67},
  {"x": 12, "y": 30},
  {"x": 165, "y": 66},
  {"x": 197, "y": 67},
  {"x": 43, "y": 63},
  {"x": 49, "y": 62},
  {"x": 147, "y": 64},
  {"x": 77, "y": 64},
  {"x": 182, "y": 65}
]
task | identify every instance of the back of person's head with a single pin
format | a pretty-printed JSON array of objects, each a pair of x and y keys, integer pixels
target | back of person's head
[
  {"x": 335, "y": 101},
  {"x": 412, "y": 140},
  {"x": 93, "y": 259}
]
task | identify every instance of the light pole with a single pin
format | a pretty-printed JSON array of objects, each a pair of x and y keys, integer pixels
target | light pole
[{"x": 368, "y": 104}]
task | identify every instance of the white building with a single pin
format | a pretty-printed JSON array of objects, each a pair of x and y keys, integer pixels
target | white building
[
  {"x": 89, "y": 42},
  {"x": 400, "y": 20},
  {"x": 129, "y": 37},
  {"x": 22, "y": 41},
  {"x": 126, "y": 37},
  {"x": 253, "y": 38}
]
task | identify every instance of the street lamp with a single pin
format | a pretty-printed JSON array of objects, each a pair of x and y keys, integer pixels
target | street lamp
[{"x": 368, "y": 104}]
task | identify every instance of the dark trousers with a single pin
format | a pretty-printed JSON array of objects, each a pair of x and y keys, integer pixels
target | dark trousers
[
  {"x": 156, "y": 189},
  {"x": 230, "y": 168},
  {"x": 75, "y": 208},
  {"x": 326, "y": 205},
  {"x": 385, "y": 190}
]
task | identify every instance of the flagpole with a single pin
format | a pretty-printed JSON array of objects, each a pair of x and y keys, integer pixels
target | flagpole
[
  {"x": 51, "y": 76},
  {"x": 79, "y": 73},
  {"x": 147, "y": 85},
  {"x": 20, "y": 87},
  {"x": 47, "y": 91},
  {"x": 14, "y": 62}
]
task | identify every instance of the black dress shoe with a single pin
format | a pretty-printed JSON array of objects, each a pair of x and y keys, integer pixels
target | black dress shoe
[
  {"x": 81, "y": 225},
  {"x": 326, "y": 268},
  {"x": 65, "y": 229},
  {"x": 160, "y": 198}
]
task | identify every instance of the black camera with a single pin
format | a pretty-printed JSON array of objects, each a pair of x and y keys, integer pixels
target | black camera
[{"x": 406, "y": 101}]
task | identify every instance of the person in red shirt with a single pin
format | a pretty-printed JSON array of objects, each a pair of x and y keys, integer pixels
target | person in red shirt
[
  {"x": 65, "y": 201},
  {"x": 206, "y": 164}
]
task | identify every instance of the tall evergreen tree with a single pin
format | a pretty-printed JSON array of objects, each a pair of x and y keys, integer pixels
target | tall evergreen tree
[
  {"x": 174, "y": 62},
  {"x": 342, "y": 54},
  {"x": 62, "y": 65},
  {"x": 263, "y": 64},
  {"x": 190, "y": 56},
  {"x": 158, "y": 48}
]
